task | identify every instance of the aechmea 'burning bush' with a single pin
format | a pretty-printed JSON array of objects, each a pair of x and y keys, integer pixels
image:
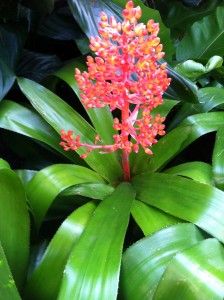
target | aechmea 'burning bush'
[{"x": 126, "y": 76}]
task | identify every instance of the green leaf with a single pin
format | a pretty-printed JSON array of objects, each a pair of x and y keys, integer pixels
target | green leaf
[
  {"x": 46, "y": 279},
  {"x": 4, "y": 164},
  {"x": 14, "y": 224},
  {"x": 179, "y": 84},
  {"x": 59, "y": 25},
  {"x": 93, "y": 268},
  {"x": 61, "y": 116},
  {"x": 180, "y": 18},
  {"x": 197, "y": 170},
  {"x": 48, "y": 183},
  {"x": 25, "y": 175},
  {"x": 144, "y": 263},
  {"x": 179, "y": 138},
  {"x": 205, "y": 39},
  {"x": 20, "y": 119},
  {"x": 195, "y": 273},
  {"x": 91, "y": 190},
  {"x": 7, "y": 78},
  {"x": 218, "y": 159},
  {"x": 151, "y": 219},
  {"x": 192, "y": 69},
  {"x": 209, "y": 98},
  {"x": 186, "y": 199},
  {"x": 8, "y": 290},
  {"x": 36, "y": 66}
]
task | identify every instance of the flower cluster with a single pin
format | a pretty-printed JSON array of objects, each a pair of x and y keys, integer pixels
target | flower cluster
[{"x": 124, "y": 75}]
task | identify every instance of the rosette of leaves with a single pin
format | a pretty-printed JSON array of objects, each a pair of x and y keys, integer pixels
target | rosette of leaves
[{"x": 159, "y": 236}]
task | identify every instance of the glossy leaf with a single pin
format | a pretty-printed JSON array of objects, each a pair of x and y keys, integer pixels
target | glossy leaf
[
  {"x": 20, "y": 119},
  {"x": 179, "y": 84},
  {"x": 91, "y": 190},
  {"x": 218, "y": 159},
  {"x": 197, "y": 170},
  {"x": 48, "y": 183},
  {"x": 8, "y": 288},
  {"x": 151, "y": 219},
  {"x": 180, "y": 18},
  {"x": 7, "y": 78},
  {"x": 195, "y": 273},
  {"x": 179, "y": 138},
  {"x": 46, "y": 279},
  {"x": 144, "y": 263},
  {"x": 93, "y": 268},
  {"x": 184, "y": 198},
  {"x": 192, "y": 69},
  {"x": 209, "y": 98},
  {"x": 14, "y": 224},
  {"x": 25, "y": 175},
  {"x": 205, "y": 39},
  {"x": 4, "y": 164},
  {"x": 59, "y": 25},
  {"x": 61, "y": 116},
  {"x": 36, "y": 66}
]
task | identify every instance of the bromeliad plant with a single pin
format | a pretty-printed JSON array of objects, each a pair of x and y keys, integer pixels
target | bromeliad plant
[
  {"x": 125, "y": 76},
  {"x": 129, "y": 225}
]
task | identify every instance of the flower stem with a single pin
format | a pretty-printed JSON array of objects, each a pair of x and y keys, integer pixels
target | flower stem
[{"x": 125, "y": 165}]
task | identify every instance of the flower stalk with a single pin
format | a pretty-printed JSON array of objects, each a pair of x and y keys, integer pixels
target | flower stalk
[{"x": 125, "y": 76}]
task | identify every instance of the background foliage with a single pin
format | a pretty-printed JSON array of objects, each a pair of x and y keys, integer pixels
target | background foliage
[{"x": 70, "y": 228}]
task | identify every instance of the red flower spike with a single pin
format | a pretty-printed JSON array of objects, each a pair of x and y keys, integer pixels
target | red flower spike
[{"x": 125, "y": 71}]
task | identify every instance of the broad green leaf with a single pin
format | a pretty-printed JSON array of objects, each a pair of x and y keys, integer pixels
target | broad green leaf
[
  {"x": 36, "y": 66},
  {"x": 91, "y": 190},
  {"x": 14, "y": 224},
  {"x": 218, "y": 159},
  {"x": 7, "y": 78},
  {"x": 195, "y": 202},
  {"x": 13, "y": 36},
  {"x": 179, "y": 138},
  {"x": 205, "y": 39},
  {"x": 196, "y": 170},
  {"x": 92, "y": 271},
  {"x": 195, "y": 273},
  {"x": 179, "y": 84},
  {"x": 48, "y": 183},
  {"x": 192, "y": 69},
  {"x": 96, "y": 115},
  {"x": 179, "y": 18},
  {"x": 59, "y": 25},
  {"x": 151, "y": 219},
  {"x": 25, "y": 175},
  {"x": 46, "y": 279},
  {"x": 4, "y": 164},
  {"x": 144, "y": 263},
  {"x": 209, "y": 98},
  {"x": 61, "y": 116},
  {"x": 20, "y": 119},
  {"x": 8, "y": 290}
]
